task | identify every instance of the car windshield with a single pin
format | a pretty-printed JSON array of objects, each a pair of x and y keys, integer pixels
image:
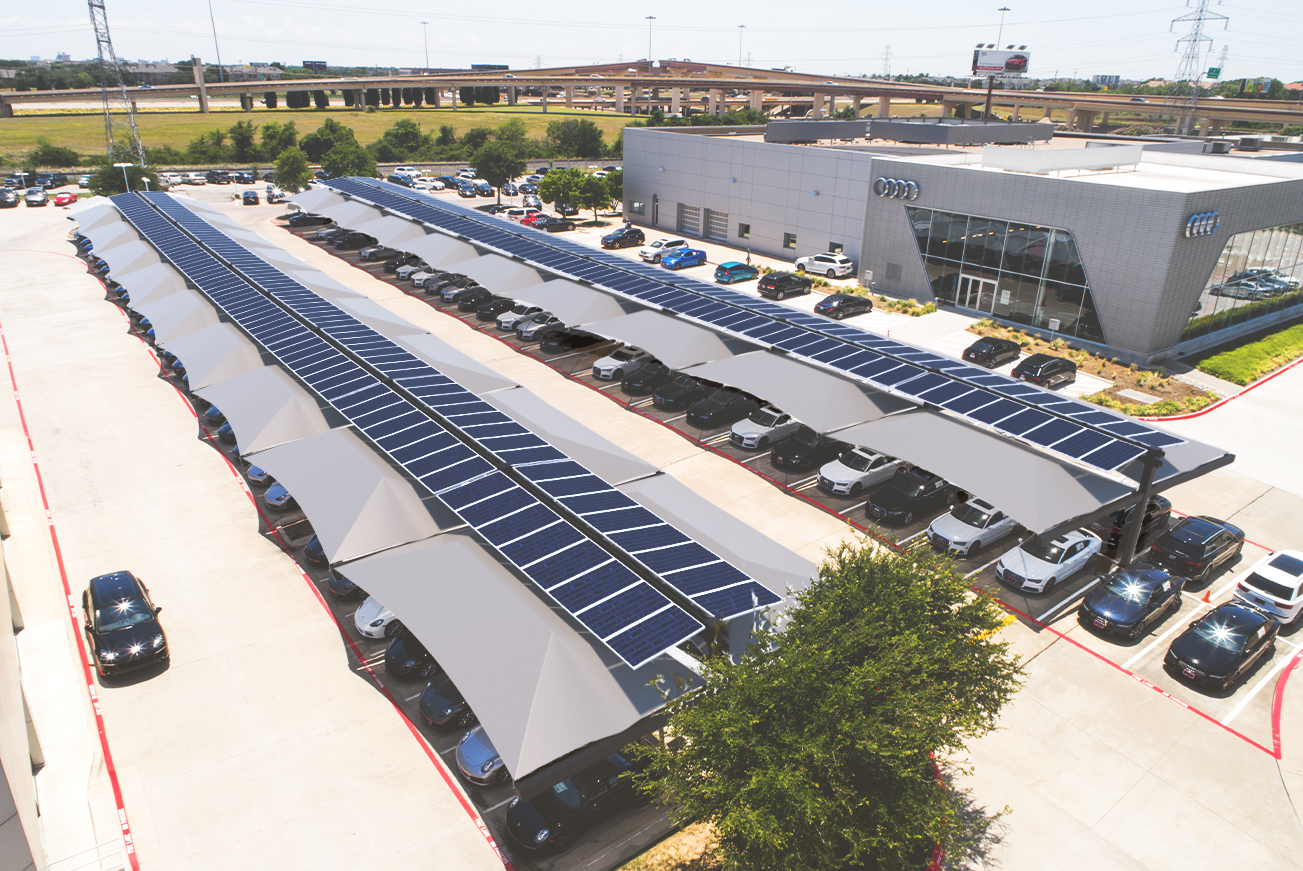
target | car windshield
[
  {"x": 657, "y": 244},
  {"x": 856, "y": 461},
  {"x": 684, "y": 381},
  {"x": 654, "y": 369},
  {"x": 907, "y": 486},
  {"x": 520, "y": 308},
  {"x": 1271, "y": 588},
  {"x": 623, "y": 356},
  {"x": 558, "y": 802},
  {"x": 1222, "y": 631},
  {"x": 121, "y": 614},
  {"x": 1046, "y": 551},
  {"x": 764, "y": 417},
  {"x": 806, "y": 436},
  {"x": 1130, "y": 586},
  {"x": 972, "y": 515}
]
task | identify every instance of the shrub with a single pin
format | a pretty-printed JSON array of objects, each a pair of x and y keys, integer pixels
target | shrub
[
  {"x": 1165, "y": 408},
  {"x": 1250, "y": 362},
  {"x": 46, "y": 154}
]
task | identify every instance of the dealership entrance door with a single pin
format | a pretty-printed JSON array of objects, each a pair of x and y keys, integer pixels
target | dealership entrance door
[{"x": 978, "y": 293}]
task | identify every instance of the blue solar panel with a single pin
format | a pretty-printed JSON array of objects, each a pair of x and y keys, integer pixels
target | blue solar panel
[
  {"x": 542, "y": 544},
  {"x": 799, "y": 333}
]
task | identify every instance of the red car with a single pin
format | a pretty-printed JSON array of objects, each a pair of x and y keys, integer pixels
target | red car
[
  {"x": 65, "y": 198},
  {"x": 529, "y": 220}
]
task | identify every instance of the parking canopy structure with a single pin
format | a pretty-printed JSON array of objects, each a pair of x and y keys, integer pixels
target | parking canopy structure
[{"x": 959, "y": 409}]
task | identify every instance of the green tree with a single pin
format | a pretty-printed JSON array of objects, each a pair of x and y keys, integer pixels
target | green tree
[
  {"x": 575, "y": 138},
  {"x": 447, "y": 136},
  {"x": 512, "y": 131},
  {"x": 208, "y": 148},
  {"x": 473, "y": 139},
  {"x": 402, "y": 142},
  {"x": 348, "y": 158},
  {"x": 815, "y": 750},
  {"x": 107, "y": 180},
  {"x": 317, "y": 144},
  {"x": 615, "y": 185},
  {"x": 562, "y": 186},
  {"x": 277, "y": 137},
  {"x": 592, "y": 194},
  {"x": 244, "y": 141},
  {"x": 47, "y": 155},
  {"x": 293, "y": 174},
  {"x": 498, "y": 163}
]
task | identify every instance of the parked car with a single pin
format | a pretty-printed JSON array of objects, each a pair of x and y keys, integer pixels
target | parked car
[
  {"x": 762, "y": 427},
  {"x": 831, "y": 265},
  {"x": 843, "y": 305},
  {"x": 724, "y": 407},
  {"x": 315, "y": 552},
  {"x": 1274, "y": 584},
  {"x": 1221, "y": 646},
  {"x": 342, "y": 588},
  {"x": 679, "y": 393},
  {"x": 683, "y": 258},
  {"x": 492, "y": 307},
  {"x": 781, "y": 285},
  {"x": 991, "y": 352},
  {"x": 527, "y": 187},
  {"x": 374, "y": 620},
  {"x": 620, "y": 363},
  {"x": 275, "y": 195},
  {"x": 1195, "y": 547},
  {"x": 916, "y": 493},
  {"x": 278, "y": 498},
  {"x": 473, "y": 297},
  {"x": 509, "y": 320},
  {"x": 329, "y": 234},
  {"x": 566, "y": 209},
  {"x": 732, "y": 272},
  {"x": 969, "y": 527},
  {"x": 443, "y": 706},
  {"x": 1046, "y": 370},
  {"x": 1128, "y": 601},
  {"x": 534, "y": 217},
  {"x": 498, "y": 209},
  {"x": 658, "y": 249},
  {"x": 566, "y": 340},
  {"x": 466, "y": 190},
  {"x": 9, "y": 199},
  {"x": 259, "y": 476},
  {"x": 405, "y": 272},
  {"x": 83, "y": 181},
  {"x": 647, "y": 379},
  {"x": 353, "y": 241},
  {"x": 858, "y": 469},
  {"x": 484, "y": 189},
  {"x": 1037, "y": 566},
  {"x": 478, "y": 760},
  {"x": 509, "y": 190},
  {"x": 549, "y": 224},
  {"x": 376, "y": 252},
  {"x": 393, "y": 264},
  {"x": 519, "y": 213},
  {"x": 407, "y": 658},
  {"x": 554, "y": 817},
  {"x": 1110, "y": 527},
  {"x": 304, "y": 219},
  {"x": 804, "y": 450},
  {"x": 625, "y": 237},
  {"x": 121, "y": 624},
  {"x": 535, "y": 327},
  {"x": 65, "y": 198},
  {"x": 36, "y": 197},
  {"x": 225, "y": 432}
]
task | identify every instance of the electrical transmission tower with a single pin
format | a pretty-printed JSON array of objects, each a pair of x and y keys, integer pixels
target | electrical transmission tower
[
  {"x": 114, "y": 92},
  {"x": 1183, "y": 99},
  {"x": 886, "y": 63}
]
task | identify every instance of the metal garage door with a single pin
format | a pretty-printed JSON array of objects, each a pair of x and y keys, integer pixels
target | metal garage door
[
  {"x": 689, "y": 220},
  {"x": 717, "y": 225}
]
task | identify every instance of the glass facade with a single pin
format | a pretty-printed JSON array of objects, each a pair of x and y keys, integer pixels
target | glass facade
[
  {"x": 1258, "y": 274},
  {"x": 1010, "y": 270}
]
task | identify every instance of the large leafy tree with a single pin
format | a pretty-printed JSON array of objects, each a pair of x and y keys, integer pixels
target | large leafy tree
[
  {"x": 348, "y": 158},
  {"x": 562, "y": 186},
  {"x": 277, "y": 137},
  {"x": 575, "y": 138},
  {"x": 244, "y": 141},
  {"x": 593, "y": 194},
  {"x": 615, "y": 185},
  {"x": 108, "y": 180},
  {"x": 293, "y": 174},
  {"x": 317, "y": 144},
  {"x": 498, "y": 163},
  {"x": 815, "y": 750}
]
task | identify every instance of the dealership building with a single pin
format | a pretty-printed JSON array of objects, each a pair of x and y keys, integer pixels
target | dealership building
[{"x": 1141, "y": 249}]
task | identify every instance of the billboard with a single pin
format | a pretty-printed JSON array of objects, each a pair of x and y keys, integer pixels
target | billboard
[
  {"x": 318, "y": 65},
  {"x": 987, "y": 62}
]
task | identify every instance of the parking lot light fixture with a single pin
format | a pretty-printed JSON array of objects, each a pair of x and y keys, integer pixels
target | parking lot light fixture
[{"x": 126, "y": 183}]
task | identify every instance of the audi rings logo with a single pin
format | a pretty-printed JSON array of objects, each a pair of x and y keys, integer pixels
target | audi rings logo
[
  {"x": 895, "y": 189},
  {"x": 1202, "y": 224}
]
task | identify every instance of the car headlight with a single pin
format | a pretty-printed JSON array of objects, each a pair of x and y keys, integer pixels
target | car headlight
[
  {"x": 543, "y": 835},
  {"x": 447, "y": 712},
  {"x": 377, "y": 623},
  {"x": 158, "y": 641},
  {"x": 515, "y": 801},
  {"x": 108, "y": 655},
  {"x": 488, "y": 766}
]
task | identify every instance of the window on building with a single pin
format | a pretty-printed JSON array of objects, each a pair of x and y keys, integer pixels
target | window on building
[
  {"x": 1259, "y": 273},
  {"x": 638, "y": 208},
  {"x": 834, "y": 247},
  {"x": 744, "y": 231},
  {"x": 1014, "y": 271},
  {"x": 789, "y": 241}
]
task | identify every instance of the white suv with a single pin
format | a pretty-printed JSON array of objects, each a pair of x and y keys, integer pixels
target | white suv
[
  {"x": 858, "y": 469},
  {"x": 831, "y": 265},
  {"x": 969, "y": 527},
  {"x": 763, "y": 427},
  {"x": 658, "y": 249},
  {"x": 1274, "y": 584},
  {"x": 624, "y": 361}
]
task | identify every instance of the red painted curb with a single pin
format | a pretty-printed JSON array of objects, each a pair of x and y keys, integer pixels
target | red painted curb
[{"x": 1219, "y": 403}]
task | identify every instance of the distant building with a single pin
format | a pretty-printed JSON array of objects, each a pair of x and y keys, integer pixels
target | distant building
[
  {"x": 63, "y": 57},
  {"x": 252, "y": 72},
  {"x": 151, "y": 73}
]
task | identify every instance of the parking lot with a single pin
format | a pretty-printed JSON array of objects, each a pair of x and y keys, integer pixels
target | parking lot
[{"x": 1246, "y": 709}]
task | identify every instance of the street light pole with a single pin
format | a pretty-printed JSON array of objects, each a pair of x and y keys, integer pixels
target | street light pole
[
  {"x": 126, "y": 183},
  {"x": 1000, "y": 32},
  {"x": 425, "y": 35},
  {"x": 650, "y": 19},
  {"x": 740, "y": 28},
  {"x": 990, "y": 80}
]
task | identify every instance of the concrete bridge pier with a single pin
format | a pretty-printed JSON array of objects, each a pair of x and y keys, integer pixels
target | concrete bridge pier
[
  {"x": 676, "y": 100},
  {"x": 570, "y": 96},
  {"x": 816, "y": 106},
  {"x": 884, "y": 107},
  {"x": 203, "y": 89}
]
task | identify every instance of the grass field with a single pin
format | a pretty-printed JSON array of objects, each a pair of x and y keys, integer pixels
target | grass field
[
  {"x": 84, "y": 132},
  {"x": 1248, "y": 363}
]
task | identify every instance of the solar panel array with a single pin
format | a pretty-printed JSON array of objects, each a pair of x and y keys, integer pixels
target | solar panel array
[
  {"x": 633, "y": 618},
  {"x": 1046, "y": 421}
]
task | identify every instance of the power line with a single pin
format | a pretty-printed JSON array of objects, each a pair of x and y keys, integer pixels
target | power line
[{"x": 1184, "y": 96}]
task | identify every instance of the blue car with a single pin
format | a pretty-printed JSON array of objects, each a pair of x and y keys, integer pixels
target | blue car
[
  {"x": 731, "y": 272},
  {"x": 683, "y": 258},
  {"x": 278, "y": 498}
]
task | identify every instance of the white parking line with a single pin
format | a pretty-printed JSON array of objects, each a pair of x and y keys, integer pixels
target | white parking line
[
  {"x": 756, "y": 457},
  {"x": 1266, "y": 679},
  {"x": 643, "y": 403},
  {"x": 804, "y": 483},
  {"x": 714, "y": 440},
  {"x": 853, "y": 508},
  {"x": 415, "y": 696},
  {"x": 490, "y": 810},
  {"x": 448, "y": 751},
  {"x": 980, "y": 569},
  {"x": 672, "y": 419},
  {"x": 1045, "y": 618},
  {"x": 910, "y": 538}
]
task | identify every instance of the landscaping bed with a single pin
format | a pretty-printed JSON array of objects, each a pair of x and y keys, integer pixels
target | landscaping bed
[{"x": 1248, "y": 363}]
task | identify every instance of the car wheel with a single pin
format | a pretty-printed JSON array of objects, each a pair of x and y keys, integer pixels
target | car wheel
[
  {"x": 656, "y": 259},
  {"x": 503, "y": 775},
  {"x": 800, "y": 267},
  {"x": 780, "y": 295},
  {"x": 908, "y": 518},
  {"x": 563, "y": 842},
  {"x": 763, "y": 443},
  {"x": 1049, "y": 585},
  {"x": 832, "y": 274},
  {"x": 973, "y": 548},
  {"x": 394, "y": 627},
  {"x": 618, "y": 376}
]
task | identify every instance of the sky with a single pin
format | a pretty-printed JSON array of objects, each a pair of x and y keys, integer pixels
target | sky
[{"x": 828, "y": 37}]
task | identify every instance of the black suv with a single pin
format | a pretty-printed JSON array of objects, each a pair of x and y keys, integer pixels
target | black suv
[
  {"x": 244, "y": 178},
  {"x": 647, "y": 379},
  {"x": 50, "y": 180},
  {"x": 1046, "y": 371},
  {"x": 680, "y": 393},
  {"x": 1109, "y": 528},
  {"x": 218, "y": 176},
  {"x": 991, "y": 352},
  {"x": 303, "y": 219},
  {"x": 121, "y": 623},
  {"x": 351, "y": 240},
  {"x": 625, "y": 237},
  {"x": 843, "y": 305},
  {"x": 781, "y": 285},
  {"x": 724, "y": 407},
  {"x": 916, "y": 493},
  {"x": 473, "y": 298},
  {"x": 1196, "y": 546},
  {"x": 492, "y": 307},
  {"x": 565, "y": 339},
  {"x": 805, "y": 449}
]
